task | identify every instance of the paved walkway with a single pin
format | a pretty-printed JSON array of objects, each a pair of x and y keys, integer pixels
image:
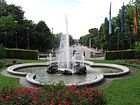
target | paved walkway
[{"x": 88, "y": 52}]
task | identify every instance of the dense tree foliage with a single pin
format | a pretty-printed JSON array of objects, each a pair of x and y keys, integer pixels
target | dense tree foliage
[
  {"x": 117, "y": 40},
  {"x": 18, "y": 32},
  {"x": 7, "y": 30}
]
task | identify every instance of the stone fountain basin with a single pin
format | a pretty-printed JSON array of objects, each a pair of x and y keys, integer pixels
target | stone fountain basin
[{"x": 31, "y": 77}]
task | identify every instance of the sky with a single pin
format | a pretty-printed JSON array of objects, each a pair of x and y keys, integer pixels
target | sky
[{"x": 82, "y": 15}]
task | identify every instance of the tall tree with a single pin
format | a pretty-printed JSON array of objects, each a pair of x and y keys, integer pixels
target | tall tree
[
  {"x": 15, "y": 11},
  {"x": 2, "y": 2},
  {"x": 43, "y": 35},
  {"x": 8, "y": 27}
]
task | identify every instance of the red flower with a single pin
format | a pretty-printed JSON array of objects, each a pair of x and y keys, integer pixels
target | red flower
[
  {"x": 90, "y": 97},
  {"x": 52, "y": 103},
  {"x": 71, "y": 99},
  {"x": 79, "y": 103},
  {"x": 65, "y": 101},
  {"x": 51, "y": 92},
  {"x": 77, "y": 93},
  {"x": 88, "y": 90},
  {"x": 83, "y": 95},
  {"x": 2, "y": 95},
  {"x": 94, "y": 89},
  {"x": 34, "y": 99},
  {"x": 1, "y": 99}
]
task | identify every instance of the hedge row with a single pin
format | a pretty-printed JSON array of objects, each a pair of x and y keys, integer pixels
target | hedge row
[
  {"x": 19, "y": 54},
  {"x": 122, "y": 54}
]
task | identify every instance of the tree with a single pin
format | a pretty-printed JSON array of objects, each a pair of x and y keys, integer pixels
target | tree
[
  {"x": 93, "y": 31},
  {"x": 8, "y": 27},
  {"x": 43, "y": 36},
  {"x": 117, "y": 39},
  {"x": 12, "y": 10},
  {"x": 71, "y": 40},
  {"x": 27, "y": 27},
  {"x": 2, "y": 2},
  {"x": 56, "y": 40}
]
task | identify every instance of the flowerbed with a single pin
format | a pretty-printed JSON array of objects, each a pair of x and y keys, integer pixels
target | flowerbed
[
  {"x": 133, "y": 63},
  {"x": 53, "y": 95},
  {"x": 8, "y": 62}
]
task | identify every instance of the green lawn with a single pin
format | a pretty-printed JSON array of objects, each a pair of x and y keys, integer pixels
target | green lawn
[
  {"x": 125, "y": 91},
  {"x": 107, "y": 61},
  {"x": 13, "y": 82}
]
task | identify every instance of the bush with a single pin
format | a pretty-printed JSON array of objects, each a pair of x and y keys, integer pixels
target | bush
[
  {"x": 137, "y": 45},
  {"x": 19, "y": 54},
  {"x": 8, "y": 62},
  {"x": 66, "y": 95},
  {"x": 122, "y": 54},
  {"x": 137, "y": 54},
  {"x": 2, "y": 47}
]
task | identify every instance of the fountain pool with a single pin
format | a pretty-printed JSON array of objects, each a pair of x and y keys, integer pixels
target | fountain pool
[{"x": 36, "y": 73}]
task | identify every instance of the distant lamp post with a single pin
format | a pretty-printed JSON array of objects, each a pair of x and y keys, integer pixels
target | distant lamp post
[
  {"x": 16, "y": 36},
  {"x": 16, "y": 40},
  {"x": 28, "y": 46},
  {"x": 117, "y": 29},
  {"x": 52, "y": 30},
  {"x": 90, "y": 43}
]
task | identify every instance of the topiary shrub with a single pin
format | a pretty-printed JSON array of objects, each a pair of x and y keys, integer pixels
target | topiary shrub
[
  {"x": 122, "y": 54},
  {"x": 137, "y": 54},
  {"x": 19, "y": 54}
]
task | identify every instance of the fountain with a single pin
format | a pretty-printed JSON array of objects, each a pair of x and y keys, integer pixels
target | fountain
[
  {"x": 66, "y": 64},
  {"x": 67, "y": 68}
]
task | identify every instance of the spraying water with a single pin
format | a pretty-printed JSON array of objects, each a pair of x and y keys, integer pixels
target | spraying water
[
  {"x": 64, "y": 50},
  {"x": 66, "y": 63}
]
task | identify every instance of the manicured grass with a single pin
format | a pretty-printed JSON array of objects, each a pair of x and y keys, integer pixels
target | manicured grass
[
  {"x": 8, "y": 81},
  {"x": 13, "y": 82},
  {"x": 125, "y": 91},
  {"x": 31, "y": 61},
  {"x": 107, "y": 61}
]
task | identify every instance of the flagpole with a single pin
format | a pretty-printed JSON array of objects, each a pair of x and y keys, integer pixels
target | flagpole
[
  {"x": 110, "y": 30},
  {"x": 123, "y": 30},
  {"x": 110, "y": 26}
]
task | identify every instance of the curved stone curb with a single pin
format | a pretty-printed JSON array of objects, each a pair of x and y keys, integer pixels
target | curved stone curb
[
  {"x": 124, "y": 69},
  {"x": 12, "y": 69},
  {"x": 31, "y": 78},
  {"x": 89, "y": 63}
]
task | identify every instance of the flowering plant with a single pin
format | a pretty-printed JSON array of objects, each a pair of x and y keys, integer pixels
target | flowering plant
[{"x": 53, "y": 95}]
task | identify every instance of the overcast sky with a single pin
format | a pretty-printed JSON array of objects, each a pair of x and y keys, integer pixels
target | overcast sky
[{"x": 82, "y": 14}]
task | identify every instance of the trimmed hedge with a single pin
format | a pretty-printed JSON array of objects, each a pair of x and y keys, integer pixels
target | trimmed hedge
[
  {"x": 122, "y": 54},
  {"x": 19, "y": 54}
]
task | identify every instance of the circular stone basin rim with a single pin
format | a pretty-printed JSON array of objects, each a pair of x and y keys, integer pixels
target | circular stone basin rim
[
  {"x": 124, "y": 69},
  {"x": 31, "y": 77}
]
